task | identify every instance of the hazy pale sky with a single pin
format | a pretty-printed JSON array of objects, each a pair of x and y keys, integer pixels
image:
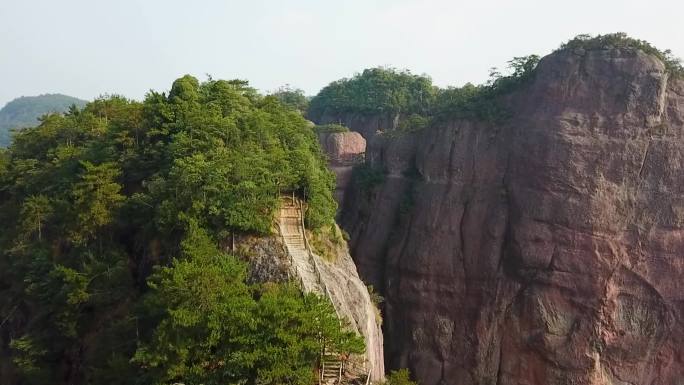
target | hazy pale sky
[{"x": 86, "y": 48}]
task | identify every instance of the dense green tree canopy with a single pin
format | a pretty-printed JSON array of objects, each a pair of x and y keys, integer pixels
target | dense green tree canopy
[
  {"x": 111, "y": 219},
  {"x": 292, "y": 97},
  {"x": 415, "y": 99},
  {"x": 26, "y": 110},
  {"x": 375, "y": 90}
]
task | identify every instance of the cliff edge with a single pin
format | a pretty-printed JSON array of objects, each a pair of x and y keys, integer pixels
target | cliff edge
[{"x": 543, "y": 250}]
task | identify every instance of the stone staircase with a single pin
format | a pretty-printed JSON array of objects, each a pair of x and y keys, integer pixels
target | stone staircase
[
  {"x": 332, "y": 370},
  {"x": 292, "y": 230}
]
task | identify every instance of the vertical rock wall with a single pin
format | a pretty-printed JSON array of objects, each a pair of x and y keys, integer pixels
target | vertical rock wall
[
  {"x": 344, "y": 150},
  {"x": 546, "y": 250}
]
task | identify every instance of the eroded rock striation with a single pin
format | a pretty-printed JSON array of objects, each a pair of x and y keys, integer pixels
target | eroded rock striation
[{"x": 545, "y": 250}]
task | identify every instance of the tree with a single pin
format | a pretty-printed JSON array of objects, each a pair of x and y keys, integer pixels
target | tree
[
  {"x": 215, "y": 329},
  {"x": 374, "y": 91},
  {"x": 34, "y": 213},
  {"x": 292, "y": 97},
  {"x": 111, "y": 219},
  {"x": 96, "y": 197}
]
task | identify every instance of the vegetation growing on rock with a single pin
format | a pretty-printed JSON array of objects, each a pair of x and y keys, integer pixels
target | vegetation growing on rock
[
  {"x": 375, "y": 90},
  {"x": 411, "y": 97},
  {"x": 111, "y": 219},
  {"x": 381, "y": 90},
  {"x": 330, "y": 128},
  {"x": 400, "y": 377},
  {"x": 622, "y": 41}
]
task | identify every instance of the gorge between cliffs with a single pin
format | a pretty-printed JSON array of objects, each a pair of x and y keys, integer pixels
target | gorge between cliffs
[{"x": 543, "y": 249}]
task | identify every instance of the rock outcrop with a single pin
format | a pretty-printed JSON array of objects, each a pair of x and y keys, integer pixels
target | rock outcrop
[
  {"x": 344, "y": 150},
  {"x": 547, "y": 250},
  {"x": 287, "y": 256}
]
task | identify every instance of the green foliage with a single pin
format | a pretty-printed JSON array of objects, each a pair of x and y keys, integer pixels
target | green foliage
[
  {"x": 621, "y": 40},
  {"x": 215, "y": 329},
  {"x": 375, "y": 90},
  {"x": 35, "y": 211},
  {"x": 482, "y": 102},
  {"x": 95, "y": 200},
  {"x": 379, "y": 90},
  {"x": 400, "y": 377},
  {"x": 328, "y": 242},
  {"x": 330, "y": 128},
  {"x": 367, "y": 177},
  {"x": 26, "y": 110},
  {"x": 413, "y": 123},
  {"x": 292, "y": 97},
  {"x": 375, "y": 297},
  {"x": 96, "y": 197},
  {"x": 410, "y": 124}
]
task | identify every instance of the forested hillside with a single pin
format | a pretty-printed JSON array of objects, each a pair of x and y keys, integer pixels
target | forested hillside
[
  {"x": 110, "y": 265},
  {"x": 26, "y": 110}
]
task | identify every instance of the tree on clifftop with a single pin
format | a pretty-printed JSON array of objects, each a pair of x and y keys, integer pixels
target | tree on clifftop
[{"x": 110, "y": 270}]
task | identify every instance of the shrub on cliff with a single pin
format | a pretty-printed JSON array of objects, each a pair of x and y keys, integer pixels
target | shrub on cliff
[
  {"x": 622, "y": 40},
  {"x": 400, "y": 377},
  {"x": 367, "y": 177},
  {"x": 330, "y": 128},
  {"x": 482, "y": 102}
]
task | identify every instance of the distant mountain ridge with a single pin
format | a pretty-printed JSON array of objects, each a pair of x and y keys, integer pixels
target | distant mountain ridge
[{"x": 25, "y": 111}]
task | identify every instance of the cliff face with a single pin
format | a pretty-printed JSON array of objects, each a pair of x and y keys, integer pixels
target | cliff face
[
  {"x": 344, "y": 150},
  {"x": 546, "y": 250},
  {"x": 271, "y": 259}
]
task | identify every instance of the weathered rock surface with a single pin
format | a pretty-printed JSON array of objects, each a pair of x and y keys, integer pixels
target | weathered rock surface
[
  {"x": 343, "y": 147},
  {"x": 344, "y": 150},
  {"x": 547, "y": 250},
  {"x": 283, "y": 257}
]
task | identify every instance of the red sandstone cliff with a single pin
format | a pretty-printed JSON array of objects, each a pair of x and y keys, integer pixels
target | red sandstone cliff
[
  {"x": 344, "y": 150},
  {"x": 546, "y": 250}
]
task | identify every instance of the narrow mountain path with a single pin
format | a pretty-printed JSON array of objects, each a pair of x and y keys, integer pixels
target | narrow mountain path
[
  {"x": 291, "y": 226},
  {"x": 292, "y": 230}
]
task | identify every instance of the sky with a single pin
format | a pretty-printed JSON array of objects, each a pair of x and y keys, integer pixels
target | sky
[{"x": 87, "y": 48}]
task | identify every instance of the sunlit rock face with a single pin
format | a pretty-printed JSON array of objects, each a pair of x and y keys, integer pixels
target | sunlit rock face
[
  {"x": 269, "y": 261},
  {"x": 344, "y": 150},
  {"x": 545, "y": 250}
]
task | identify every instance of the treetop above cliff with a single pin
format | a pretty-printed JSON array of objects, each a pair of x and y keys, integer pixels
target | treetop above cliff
[
  {"x": 375, "y": 90},
  {"x": 621, "y": 40}
]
